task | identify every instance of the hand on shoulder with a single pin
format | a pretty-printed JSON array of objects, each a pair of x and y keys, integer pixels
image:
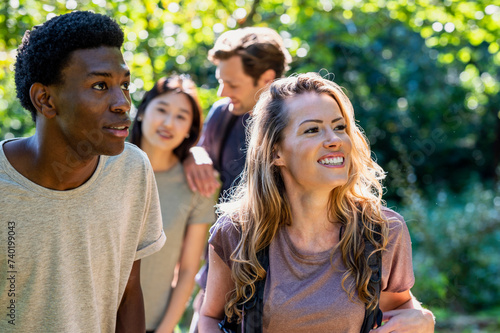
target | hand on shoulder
[{"x": 200, "y": 173}]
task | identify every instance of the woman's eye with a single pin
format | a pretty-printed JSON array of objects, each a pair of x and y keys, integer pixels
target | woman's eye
[
  {"x": 311, "y": 130},
  {"x": 340, "y": 128},
  {"x": 99, "y": 86},
  {"x": 181, "y": 117},
  {"x": 126, "y": 86}
]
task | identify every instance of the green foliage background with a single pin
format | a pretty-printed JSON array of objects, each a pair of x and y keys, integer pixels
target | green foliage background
[{"x": 422, "y": 75}]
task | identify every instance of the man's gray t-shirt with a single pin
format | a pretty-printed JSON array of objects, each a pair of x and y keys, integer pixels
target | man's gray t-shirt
[{"x": 66, "y": 256}]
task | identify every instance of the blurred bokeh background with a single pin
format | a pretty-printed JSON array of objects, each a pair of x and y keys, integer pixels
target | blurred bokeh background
[{"x": 423, "y": 76}]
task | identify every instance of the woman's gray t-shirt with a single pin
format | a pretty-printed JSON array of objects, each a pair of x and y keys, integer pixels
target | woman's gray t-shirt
[{"x": 304, "y": 293}]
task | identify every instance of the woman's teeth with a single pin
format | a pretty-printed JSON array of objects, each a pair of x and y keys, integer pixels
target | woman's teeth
[{"x": 332, "y": 161}]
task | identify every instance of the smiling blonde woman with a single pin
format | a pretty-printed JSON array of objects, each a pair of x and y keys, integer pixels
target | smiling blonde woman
[{"x": 312, "y": 195}]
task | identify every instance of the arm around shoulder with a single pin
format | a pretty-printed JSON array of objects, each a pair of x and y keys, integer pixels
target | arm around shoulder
[{"x": 200, "y": 172}]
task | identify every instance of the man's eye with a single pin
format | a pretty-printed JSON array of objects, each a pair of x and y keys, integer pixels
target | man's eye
[
  {"x": 311, "y": 130},
  {"x": 126, "y": 86},
  {"x": 99, "y": 86}
]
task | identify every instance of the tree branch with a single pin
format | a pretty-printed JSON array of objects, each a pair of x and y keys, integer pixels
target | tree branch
[{"x": 249, "y": 21}]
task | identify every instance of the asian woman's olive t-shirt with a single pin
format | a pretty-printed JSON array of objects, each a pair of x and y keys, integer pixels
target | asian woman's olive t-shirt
[{"x": 303, "y": 291}]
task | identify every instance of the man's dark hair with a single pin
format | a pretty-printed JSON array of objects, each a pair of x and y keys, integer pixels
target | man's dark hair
[
  {"x": 46, "y": 49},
  {"x": 260, "y": 49}
]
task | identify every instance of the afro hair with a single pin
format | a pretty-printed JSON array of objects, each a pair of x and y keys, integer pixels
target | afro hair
[{"x": 46, "y": 49}]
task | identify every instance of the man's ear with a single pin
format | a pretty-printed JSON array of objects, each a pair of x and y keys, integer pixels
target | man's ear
[
  {"x": 42, "y": 100},
  {"x": 267, "y": 77}
]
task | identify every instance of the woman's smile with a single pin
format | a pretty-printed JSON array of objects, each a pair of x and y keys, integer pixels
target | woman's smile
[{"x": 332, "y": 160}]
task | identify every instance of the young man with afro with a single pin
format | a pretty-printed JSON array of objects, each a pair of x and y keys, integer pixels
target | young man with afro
[{"x": 79, "y": 206}]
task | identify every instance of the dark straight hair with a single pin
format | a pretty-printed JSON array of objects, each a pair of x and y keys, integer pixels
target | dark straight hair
[{"x": 177, "y": 84}]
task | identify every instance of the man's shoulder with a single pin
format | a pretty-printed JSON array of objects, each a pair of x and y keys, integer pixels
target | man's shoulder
[
  {"x": 132, "y": 159},
  {"x": 130, "y": 148},
  {"x": 218, "y": 109},
  {"x": 221, "y": 105},
  {"x": 214, "y": 123},
  {"x": 131, "y": 152}
]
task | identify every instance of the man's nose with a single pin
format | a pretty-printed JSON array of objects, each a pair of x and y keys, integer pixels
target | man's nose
[
  {"x": 121, "y": 102},
  {"x": 223, "y": 90}
]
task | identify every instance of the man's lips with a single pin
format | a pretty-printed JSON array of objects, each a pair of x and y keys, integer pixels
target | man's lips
[{"x": 118, "y": 129}]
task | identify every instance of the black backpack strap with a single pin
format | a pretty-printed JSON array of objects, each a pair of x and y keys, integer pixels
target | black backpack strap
[
  {"x": 253, "y": 310},
  {"x": 374, "y": 316},
  {"x": 229, "y": 327}
]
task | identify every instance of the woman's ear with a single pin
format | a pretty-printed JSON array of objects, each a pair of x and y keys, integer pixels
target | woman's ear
[
  {"x": 277, "y": 159},
  {"x": 42, "y": 100}
]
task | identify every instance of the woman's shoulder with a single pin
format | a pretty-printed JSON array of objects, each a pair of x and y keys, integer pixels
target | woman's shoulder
[
  {"x": 395, "y": 221},
  {"x": 391, "y": 216},
  {"x": 224, "y": 237},
  {"x": 397, "y": 270},
  {"x": 226, "y": 225}
]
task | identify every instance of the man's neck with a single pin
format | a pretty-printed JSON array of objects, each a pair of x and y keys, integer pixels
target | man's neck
[{"x": 48, "y": 166}]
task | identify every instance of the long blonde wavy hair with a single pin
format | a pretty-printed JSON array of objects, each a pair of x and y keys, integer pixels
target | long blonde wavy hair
[{"x": 259, "y": 205}]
